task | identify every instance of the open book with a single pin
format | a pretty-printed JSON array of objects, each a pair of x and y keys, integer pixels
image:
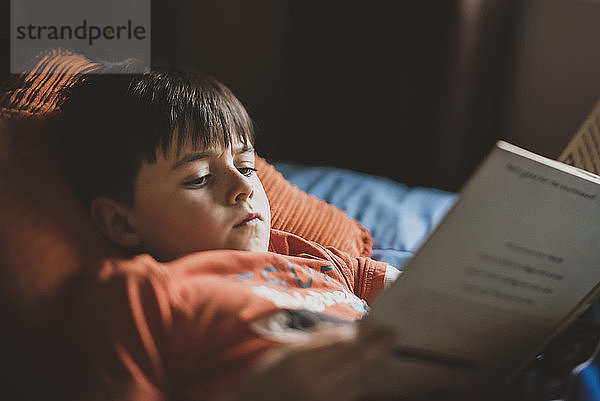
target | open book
[{"x": 514, "y": 262}]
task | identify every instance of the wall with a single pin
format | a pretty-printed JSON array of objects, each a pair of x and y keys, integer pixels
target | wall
[{"x": 557, "y": 78}]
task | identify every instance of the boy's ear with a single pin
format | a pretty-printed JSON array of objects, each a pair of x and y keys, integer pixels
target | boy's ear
[{"x": 115, "y": 221}]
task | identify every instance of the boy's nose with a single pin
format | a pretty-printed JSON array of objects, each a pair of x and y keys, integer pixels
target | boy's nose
[
  {"x": 241, "y": 189},
  {"x": 242, "y": 196}
]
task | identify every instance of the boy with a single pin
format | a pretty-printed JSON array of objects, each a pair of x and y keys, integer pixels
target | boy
[{"x": 166, "y": 164}]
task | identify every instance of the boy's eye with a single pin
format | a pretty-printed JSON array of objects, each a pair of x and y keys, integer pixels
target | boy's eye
[
  {"x": 247, "y": 171},
  {"x": 197, "y": 182}
]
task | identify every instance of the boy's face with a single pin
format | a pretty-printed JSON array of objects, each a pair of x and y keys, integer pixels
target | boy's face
[{"x": 201, "y": 199}]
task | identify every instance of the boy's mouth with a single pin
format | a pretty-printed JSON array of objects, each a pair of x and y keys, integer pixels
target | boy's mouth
[{"x": 248, "y": 219}]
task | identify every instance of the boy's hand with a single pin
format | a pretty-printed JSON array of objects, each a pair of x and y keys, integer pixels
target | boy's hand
[{"x": 330, "y": 364}]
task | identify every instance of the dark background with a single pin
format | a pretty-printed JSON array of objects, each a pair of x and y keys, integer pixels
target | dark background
[{"x": 415, "y": 90}]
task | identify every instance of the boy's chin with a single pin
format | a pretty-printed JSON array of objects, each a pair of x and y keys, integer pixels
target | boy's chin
[
  {"x": 254, "y": 244},
  {"x": 254, "y": 239}
]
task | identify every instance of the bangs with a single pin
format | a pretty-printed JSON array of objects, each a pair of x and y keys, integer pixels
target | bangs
[
  {"x": 214, "y": 122},
  {"x": 191, "y": 109}
]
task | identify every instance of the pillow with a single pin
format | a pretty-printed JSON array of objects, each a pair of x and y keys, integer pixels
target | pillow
[
  {"x": 399, "y": 218},
  {"x": 45, "y": 233}
]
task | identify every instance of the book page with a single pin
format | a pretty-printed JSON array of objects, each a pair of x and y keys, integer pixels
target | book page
[
  {"x": 508, "y": 266},
  {"x": 584, "y": 149}
]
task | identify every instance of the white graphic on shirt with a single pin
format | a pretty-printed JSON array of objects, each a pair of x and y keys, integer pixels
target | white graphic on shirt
[{"x": 313, "y": 301}]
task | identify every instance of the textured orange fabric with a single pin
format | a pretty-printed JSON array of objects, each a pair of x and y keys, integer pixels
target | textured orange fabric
[
  {"x": 188, "y": 328},
  {"x": 45, "y": 235},
  {"x": 37, "y": 93}
]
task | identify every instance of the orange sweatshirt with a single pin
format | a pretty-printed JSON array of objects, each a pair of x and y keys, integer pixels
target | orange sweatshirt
[{"x": 144, "y": 330}]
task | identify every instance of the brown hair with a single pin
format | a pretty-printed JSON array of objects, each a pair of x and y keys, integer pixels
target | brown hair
[{"x": 114, "y": 121}]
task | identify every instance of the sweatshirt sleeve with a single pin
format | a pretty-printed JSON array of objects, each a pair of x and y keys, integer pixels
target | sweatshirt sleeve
[
  {"x": 364, "y": 276},
  {"x": 121, "y": 323}
]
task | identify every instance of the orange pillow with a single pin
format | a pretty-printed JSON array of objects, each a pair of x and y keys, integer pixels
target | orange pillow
[{"x": 45, "y": 233}]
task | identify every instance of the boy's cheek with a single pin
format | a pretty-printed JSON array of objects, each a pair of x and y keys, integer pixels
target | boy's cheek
[
  {"x": 259, "y": 190},
  {"x": 266, "y": 207}
]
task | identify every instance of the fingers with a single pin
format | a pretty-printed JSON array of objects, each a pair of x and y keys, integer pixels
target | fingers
[
  {"x": 330, "y": 346},
  {"x": 330, "y": 363},
  {"x": 363, "y": 357},
  {"x": 340, "y": 358}
]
